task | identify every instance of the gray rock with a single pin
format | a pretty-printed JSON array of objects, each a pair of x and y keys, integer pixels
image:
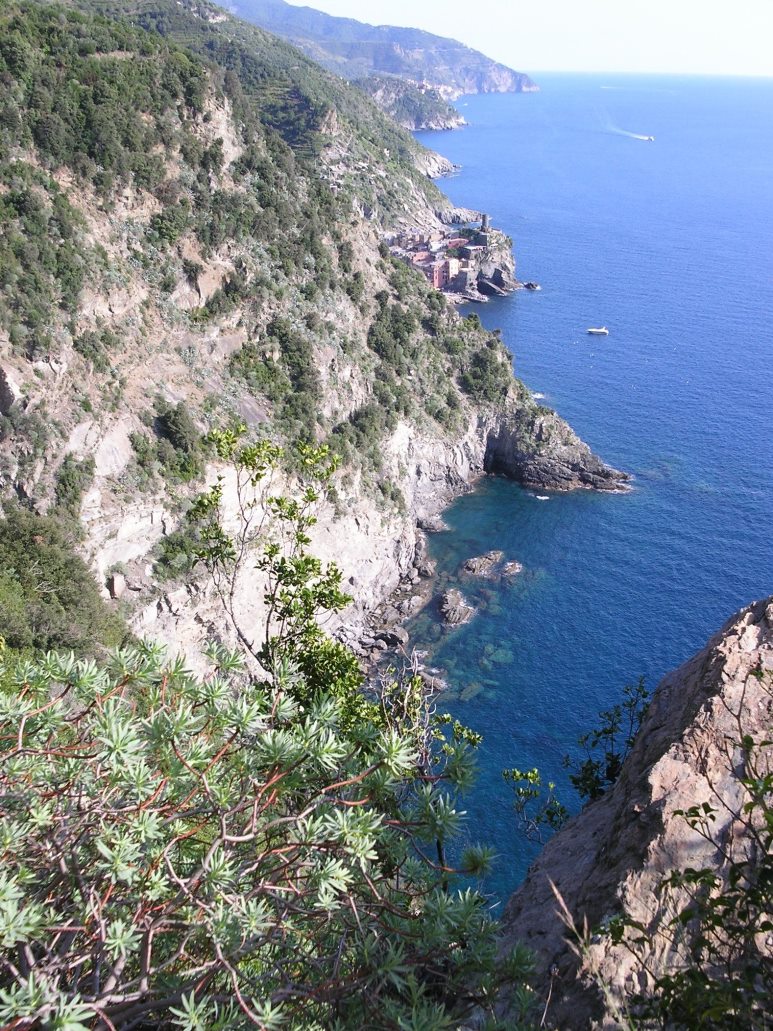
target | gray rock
[
  {"x": 512, "y": 568},
  {"x": 116, "y": 584},
  {"x": 483, "y": 565},
  {"x": 394, "y": 638},
  {"x": 431, "y": 681},
  {"x": 432, "y": 524},
  {"x": 455, "y": 609},
  {"x": 10, "y": 392}
]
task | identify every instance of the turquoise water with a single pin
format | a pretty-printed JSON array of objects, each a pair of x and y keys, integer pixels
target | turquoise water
[{"x": 668, "y": 243}]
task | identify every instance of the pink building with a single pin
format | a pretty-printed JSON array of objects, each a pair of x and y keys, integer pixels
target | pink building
[{"x": 437, "y": 274}]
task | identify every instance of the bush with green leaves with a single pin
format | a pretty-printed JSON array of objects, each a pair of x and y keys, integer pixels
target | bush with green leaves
[
  {"x": 282, "y": 368},
  {"x": 48, "y": 597},
  {"x": 235, "y": 850},
  {"x": 488, "y": 376},
  {"x": 176, "y": 447},
  {"x": 72, "y": 480}
]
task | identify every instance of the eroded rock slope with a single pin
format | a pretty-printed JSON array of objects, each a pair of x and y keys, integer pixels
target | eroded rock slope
[{"x": 613, "y": 856}]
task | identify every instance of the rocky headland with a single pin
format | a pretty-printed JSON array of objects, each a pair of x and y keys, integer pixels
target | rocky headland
[
  {"x": 613, "y": 856},
  {"x": 354, "y": 50}
]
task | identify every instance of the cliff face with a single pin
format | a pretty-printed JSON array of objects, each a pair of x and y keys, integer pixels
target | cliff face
[
  {"x": 613, "y": 856},
  {"x": 534, "y": 446}
]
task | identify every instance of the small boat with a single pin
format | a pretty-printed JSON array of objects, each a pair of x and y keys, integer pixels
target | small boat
[{"x": 600, "y": 331}]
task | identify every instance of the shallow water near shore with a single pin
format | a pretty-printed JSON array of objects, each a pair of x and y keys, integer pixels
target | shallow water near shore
[{"x": 668, "y": 244}]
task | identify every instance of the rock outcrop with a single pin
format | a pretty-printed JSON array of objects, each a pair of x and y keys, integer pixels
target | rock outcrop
[
  {"x": 411, "y": 104},
  {"x": 537, "y": 448},
  {"x": 434, "y": 165},
  {"x": 613, "y": 856},
  {"x": 483, "y": 565},
  {"x": 455, "y": 609}
]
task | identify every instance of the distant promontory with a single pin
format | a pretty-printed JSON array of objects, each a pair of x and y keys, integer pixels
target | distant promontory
[{"x": 356, "y": 50}]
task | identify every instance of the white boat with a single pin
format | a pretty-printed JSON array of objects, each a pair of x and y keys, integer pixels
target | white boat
[{"x": 600, "y": 331}]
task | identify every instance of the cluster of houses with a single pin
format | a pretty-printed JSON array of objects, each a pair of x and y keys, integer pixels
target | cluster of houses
[{"x": 450, "y": 260}]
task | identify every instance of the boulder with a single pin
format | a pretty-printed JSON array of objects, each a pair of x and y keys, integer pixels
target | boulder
[
  {"x": 116, "y": 584},
  {"x": 483, "y": 565},
  {"x": 512, "y": 568},
  {"x": 432, "y": 524},
  {"x": 395, "y": 638},
  {"x": 455, "y": 609}
]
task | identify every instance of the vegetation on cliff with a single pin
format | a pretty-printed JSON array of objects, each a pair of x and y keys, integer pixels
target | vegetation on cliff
[{"x": 196, "y": 164}]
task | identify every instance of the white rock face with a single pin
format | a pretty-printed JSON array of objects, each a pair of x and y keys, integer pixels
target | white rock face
[
  {"x": 120, "y": 535},
  {"x": 615, "y": 853},
  {"x": 115, "y": 450}
]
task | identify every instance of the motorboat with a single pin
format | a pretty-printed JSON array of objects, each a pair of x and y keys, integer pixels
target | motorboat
[{"x": 598, "y": 331}]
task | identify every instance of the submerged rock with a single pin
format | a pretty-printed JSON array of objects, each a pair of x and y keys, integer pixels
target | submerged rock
[{"x": 471, "y": 691}]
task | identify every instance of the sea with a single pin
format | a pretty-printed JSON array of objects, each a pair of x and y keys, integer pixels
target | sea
[{"x": 669, "y": 244}]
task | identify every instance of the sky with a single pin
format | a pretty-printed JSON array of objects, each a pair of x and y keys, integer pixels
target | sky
[{"x": 713, "y": 37}]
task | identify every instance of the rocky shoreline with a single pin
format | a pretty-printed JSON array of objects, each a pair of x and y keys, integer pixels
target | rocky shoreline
[
  {"x": 382, "y": 635},
  {"x": 527, "y": 443}
]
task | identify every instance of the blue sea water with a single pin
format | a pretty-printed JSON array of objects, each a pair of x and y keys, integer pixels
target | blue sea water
[{"x": 669, "y": 244}]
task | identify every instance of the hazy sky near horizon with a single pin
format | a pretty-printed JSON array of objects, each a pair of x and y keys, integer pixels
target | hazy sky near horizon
[{"x": 715, "y": 37}]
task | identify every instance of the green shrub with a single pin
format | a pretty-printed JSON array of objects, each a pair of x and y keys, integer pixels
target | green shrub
[
  {"x": 489, "y": 375},
  {"x": 72, "y": 479},
  {"x": 48, "y": 597}
]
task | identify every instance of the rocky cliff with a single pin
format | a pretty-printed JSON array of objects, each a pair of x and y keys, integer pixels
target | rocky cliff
[
  {"x": 228, "y": 268},
  {"x": 614, "y": 855}
]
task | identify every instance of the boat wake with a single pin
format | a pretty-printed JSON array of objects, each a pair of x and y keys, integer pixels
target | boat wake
[{"x": 631, "y": 135}]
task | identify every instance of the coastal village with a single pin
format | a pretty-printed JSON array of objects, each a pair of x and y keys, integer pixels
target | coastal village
[{"x": 466, "y": 264}]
